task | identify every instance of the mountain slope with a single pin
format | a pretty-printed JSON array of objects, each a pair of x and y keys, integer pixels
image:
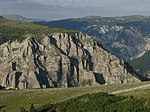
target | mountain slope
[
  {"x": 123, "y": 36},
  {"x": 14, "y": 30},
  {"x": 21, "y": 18},
  {"x": 46, "y": 58},
  {"x": 142, "y": 64}
]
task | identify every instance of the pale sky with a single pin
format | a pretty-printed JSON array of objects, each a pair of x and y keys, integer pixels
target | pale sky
[{"x": 61, "y": 9}]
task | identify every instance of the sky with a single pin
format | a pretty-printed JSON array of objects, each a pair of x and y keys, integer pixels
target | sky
[{"x": 61, "y": 9}]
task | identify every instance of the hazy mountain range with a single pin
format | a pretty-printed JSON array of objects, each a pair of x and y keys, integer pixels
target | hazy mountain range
[{"x": 21, "y": 18}]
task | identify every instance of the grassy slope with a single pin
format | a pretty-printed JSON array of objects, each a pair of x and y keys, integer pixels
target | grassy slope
[
  {"x": 14, "y": 99},
  {"x": 138, "y": 93},
  {"x": 142, "y": 63},
  {"x": 15, "y": 30}
]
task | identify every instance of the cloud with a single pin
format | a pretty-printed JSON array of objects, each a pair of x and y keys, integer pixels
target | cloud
[
  {"x": 59, "y": 3},
  {"x": 66, "y": 3},
  {"x": 9, "y": 2}
]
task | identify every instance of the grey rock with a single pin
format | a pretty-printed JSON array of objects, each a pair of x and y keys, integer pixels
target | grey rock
[{"x": 60, "y": 60}]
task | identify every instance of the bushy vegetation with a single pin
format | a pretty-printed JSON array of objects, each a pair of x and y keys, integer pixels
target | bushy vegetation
[
  {"x": 97, "y": 102},
  {"x": 14, "y": 30}
]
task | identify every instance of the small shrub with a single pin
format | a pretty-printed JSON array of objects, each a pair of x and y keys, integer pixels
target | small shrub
[
  {"x": 22, "y": 109},
  {"x": 32, "y": 108}
]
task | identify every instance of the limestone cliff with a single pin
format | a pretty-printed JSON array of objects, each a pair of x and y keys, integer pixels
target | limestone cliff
[{"x": 60, "y": 60}]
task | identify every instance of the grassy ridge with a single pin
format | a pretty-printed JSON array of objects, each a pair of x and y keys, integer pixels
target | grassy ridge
[
  {"x": 13, "y": 99},
  {"x": 14, "y": 30}
]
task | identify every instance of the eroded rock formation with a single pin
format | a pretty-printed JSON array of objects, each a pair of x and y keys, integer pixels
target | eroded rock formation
[{"x": 60, "y": 60}]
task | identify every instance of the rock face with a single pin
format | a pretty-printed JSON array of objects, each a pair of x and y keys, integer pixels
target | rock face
[
  {"x": 60, "y": 60},
  {"x": 128, "y": 42}
]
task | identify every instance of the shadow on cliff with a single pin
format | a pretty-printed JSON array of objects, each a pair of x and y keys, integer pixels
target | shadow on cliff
[
  {"x": 54, "y": 42},
  {"x": 99, "y": 78},
  {"x": 17, "y": 76},
  {"x": 73, "y": 78},
  {"x": 89, "y": 63},
  {"x": 42, "y": 78}
]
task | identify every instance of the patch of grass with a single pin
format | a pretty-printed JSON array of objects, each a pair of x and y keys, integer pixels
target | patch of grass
[
  {"x": 139, "y": 93},
  {"x": 14, "y": 99}
]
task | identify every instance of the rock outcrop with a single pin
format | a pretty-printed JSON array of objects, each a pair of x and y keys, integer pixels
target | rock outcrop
[{"x": 60, "y": 60}]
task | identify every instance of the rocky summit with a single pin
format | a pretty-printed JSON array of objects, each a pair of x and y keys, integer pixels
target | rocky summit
[{"x": 60, "y": 60}]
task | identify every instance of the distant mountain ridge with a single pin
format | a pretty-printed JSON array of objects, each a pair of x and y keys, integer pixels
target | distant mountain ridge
[
  {"x": 128, "y": 37},
  {"x": 21, "y": 18},
  {"x": 124, "y": 36}
]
